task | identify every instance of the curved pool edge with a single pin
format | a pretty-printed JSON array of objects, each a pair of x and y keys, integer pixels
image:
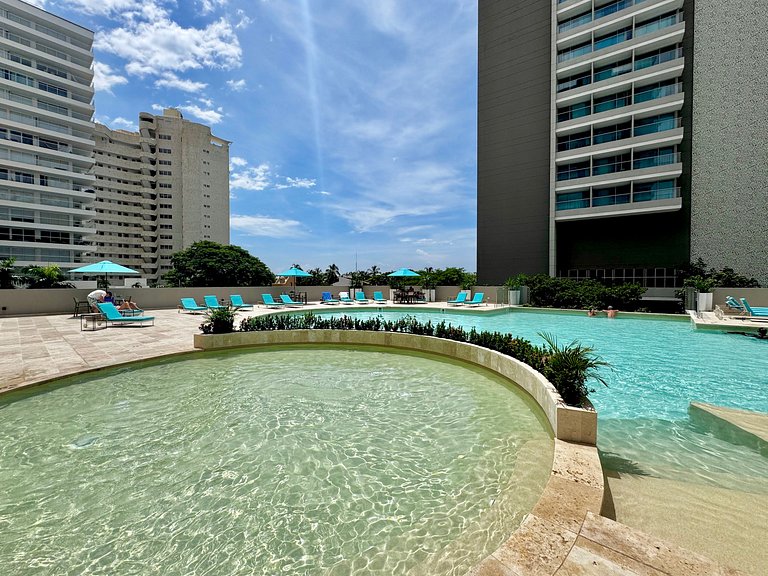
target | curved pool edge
[
  {"x": 575, "y": 487},
  {"x": 568, "y": 423}
]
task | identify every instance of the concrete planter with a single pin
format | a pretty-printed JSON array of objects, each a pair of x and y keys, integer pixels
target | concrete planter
[
  {"x": 704, "y": 301},
  {"x": 568, "y": 423},
  {"x": 514, "y": 297}
]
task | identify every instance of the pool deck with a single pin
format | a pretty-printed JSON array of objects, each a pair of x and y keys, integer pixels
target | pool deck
[
  {"x": 723, "y": 322},
  {"x": 37, "y": 349}
]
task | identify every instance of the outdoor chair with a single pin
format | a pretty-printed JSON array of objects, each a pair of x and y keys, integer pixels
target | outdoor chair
[
  {"x": 212, "y": 302},
  {"x": 327, "y": 298},
  {"x": 461, "y": 298},
  {"x": 477, "y": 299},
  {"x": 81, "y": 306},
  {"x": 360, "y": 298},
  {"x": 189, "y": 305},
  {"x": 288, "y": 301},
  {"x": 113, "y": 316},
  {"x": 345, "y": 299},
  {"x": 757, "y": 312},
  {"x": 269, "y": 302},
  {"x": 237, "y": 302},
  {"x": 378, "y": 297}
]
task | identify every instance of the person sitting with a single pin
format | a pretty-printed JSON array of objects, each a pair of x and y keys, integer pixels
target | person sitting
[
  {"x": 128, "y": 305},
  {"x": 109, "y": 297},
  {"x": 611, "y": 313},
  {"x": 95, "y": 297}
]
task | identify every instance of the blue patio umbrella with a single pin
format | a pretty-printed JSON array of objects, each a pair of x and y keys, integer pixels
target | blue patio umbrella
[
  {"x": 104, "y": 267},
  {"x": 294, "y": 272},
  {"x": 403, "y": 272}
]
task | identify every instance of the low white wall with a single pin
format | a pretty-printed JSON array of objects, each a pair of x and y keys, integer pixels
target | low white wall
[
  {"x": 568, "y": 423},
  {"x": 755, "y": 296}
]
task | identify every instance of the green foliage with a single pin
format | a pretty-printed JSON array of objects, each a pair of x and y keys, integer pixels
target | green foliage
[
  {"x": 727, "y": 277},
  {"x": 44, "y": 277},
  {"x": 701, "y": 283},
  {"x": 546, "y": 291},
  {"x": 568, "y": 367},
  {"x": 219, "y": 321},
  {"x": 211, "y": 264},
  {"x": 6, "y": 273}
]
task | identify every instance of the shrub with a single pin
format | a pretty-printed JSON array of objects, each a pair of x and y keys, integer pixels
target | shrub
[
  {"x": 569, "y": 367},
  {"x": 219, "y": 321},
  {"x": 548, "y": 292}
]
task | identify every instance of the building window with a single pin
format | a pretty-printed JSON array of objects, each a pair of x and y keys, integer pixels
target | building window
[
  {"x": 164, "y": 150},
  {"x": 163, "y": 136}
]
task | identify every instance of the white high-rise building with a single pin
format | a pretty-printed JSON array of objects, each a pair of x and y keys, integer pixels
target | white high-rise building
[
  {"x": 46, "y": 137},
  {"x": 159, "y": 191}
]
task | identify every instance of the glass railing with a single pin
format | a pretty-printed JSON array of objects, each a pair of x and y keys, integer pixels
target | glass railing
[
  {"x": 573, "y": 143},
  {"x": 615, "y": 38},
  {"x": 572, "y": 173},
  {"x": 611, "y": 199},
  {"x": 658, "y": 24},
  {"x": 571, "y": 204},
  {"x": 618, "y": 101},
  {"x": 601, "y": 168},
  {"x": 658, "y": 160},
  {"x": 667, "y": 193},
  {"x": 660, "y": 125},
  {"x": 622, "y": 195},
  {"x": 574, "y": 52},
  {"x": 574, "y": 22},
  {"x": 653, "y": 93},
  {"x": 659, "y": 58},
  {"x": 613, "y": 71},
  {"x": 612, "y": 135},
  {"x": 574, "y": 82}
]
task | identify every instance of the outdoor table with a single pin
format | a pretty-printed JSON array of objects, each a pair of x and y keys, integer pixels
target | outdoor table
[
  {"x": 298, "y": 296},
  {"x": 93, "y": 321}
]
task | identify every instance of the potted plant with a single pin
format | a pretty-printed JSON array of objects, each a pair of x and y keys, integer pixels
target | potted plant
[
  {"x": 703, "y": 286},
  {"x": 514, "y": 284},
  {"x": 429, "y": 284}
]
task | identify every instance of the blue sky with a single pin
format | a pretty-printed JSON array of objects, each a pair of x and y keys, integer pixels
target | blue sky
[{"x": 353, "y": 122}]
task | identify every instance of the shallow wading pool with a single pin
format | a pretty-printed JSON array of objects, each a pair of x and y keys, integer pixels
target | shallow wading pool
[{"x": 300, "y": 460}]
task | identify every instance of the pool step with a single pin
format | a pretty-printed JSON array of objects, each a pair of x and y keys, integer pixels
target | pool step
[{"x": 740, "y": 427}]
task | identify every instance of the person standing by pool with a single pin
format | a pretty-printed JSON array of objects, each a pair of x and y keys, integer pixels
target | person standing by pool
[{"x": 95, "y": 297}]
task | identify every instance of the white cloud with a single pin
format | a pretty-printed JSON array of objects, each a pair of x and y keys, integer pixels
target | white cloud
[
  {"x": 208, "y": 6},
  {"x": 170, "y": 80},
  {"x": 257, "y": 178},
  {"x": 207, "y": 101},
  {"x": 209, "y": 116},
  {"x": 161, "y": 45},
  {"x": 258, "y": 225},
  {"x": 107, "y": 7},
  {"x": 237, "y": 161},
  {"x": 236, "y": 85},
  {"x": 104, "y": 79},
  {"x": 296, "y": 183},
  {"x": 38, "y": 3},
  {"x": 123, "y": 124},
  {"x": 158, "y": 107}
]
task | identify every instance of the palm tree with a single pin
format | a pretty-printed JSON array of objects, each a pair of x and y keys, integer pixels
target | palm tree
[
  {"x": 6, "y": 273},
  {"x": 569, "y": 367},
  {"x": 332, "y": 274}
]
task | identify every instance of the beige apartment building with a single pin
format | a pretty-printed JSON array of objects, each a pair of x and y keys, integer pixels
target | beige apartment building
[
  {"x": 158, "y": 191},
  {"x": 46, "y": 145}
]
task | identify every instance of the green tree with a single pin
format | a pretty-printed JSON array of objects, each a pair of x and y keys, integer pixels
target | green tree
[
  {"x": 45, "y": 277},
  {"x": 211, "y": 264},
  {"x": 6, "y": 273},
  {"x": 331, "y": 274}
]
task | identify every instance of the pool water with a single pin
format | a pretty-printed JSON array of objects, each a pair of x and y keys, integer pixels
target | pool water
[
  {"x": 296, "y": 461},
  {"x": 659, "y": 366}
]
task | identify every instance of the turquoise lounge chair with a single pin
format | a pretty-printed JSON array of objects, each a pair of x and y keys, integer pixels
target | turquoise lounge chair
[
  {"x": 757, "y": 312},
  {"x": 288, "y": 301},
  {"x": 345, "y": 299},
  {"x": 477, "y": 299},
  {"x": 461, "y": 298},
  {"x": 189, "y": 305},
  {"x": 733, "y": 304},
  {"x": 237, "y": 302},
  {"x": 212, "y": 302},
  {"x": 327, "y": 298},
  {"x": 360, "y": 298},
  {"x": 378, "y": 297},
  {"x": 269, "y": 302},
  {"x": 113, "y": 315}
]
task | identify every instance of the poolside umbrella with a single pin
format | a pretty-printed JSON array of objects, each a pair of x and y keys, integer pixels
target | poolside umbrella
[
  {"x": 294, "y": 273},
  {"x": 104, "y": 267},
  {"x": 403, "y": 272}
]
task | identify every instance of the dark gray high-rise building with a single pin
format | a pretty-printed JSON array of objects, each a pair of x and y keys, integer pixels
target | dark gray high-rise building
[{"x": 619, "y": 139}]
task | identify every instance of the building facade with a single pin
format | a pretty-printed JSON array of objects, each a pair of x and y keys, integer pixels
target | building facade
[
  {"x": 46, "y": 145},
  {"x": 158, "y": 191},
  {"x": 619, "y": 139}
]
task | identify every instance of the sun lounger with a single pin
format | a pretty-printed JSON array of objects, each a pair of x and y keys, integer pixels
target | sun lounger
[
  {"x": 360, "y": 298},
  {"x": 757, "y": 312},
  {"x": 189, "y": 305},
  {"x": 212, "y": 302},
  {"x": 345, "y": 299},
  {"x": 237, "y": 302},
  {"x": 327, "y": 298},
  {"x": 113, "y": 315},
  {"x": 461, "y": 298},
  {"x": 477, "y": 299},
  {"x": 269, "y": 302},
  {"x": 288, "y": 301},
  {"x": 378, "y": 297}
]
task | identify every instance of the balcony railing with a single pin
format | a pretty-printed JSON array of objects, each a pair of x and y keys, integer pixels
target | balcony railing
[{"x": 590, "y": 200}]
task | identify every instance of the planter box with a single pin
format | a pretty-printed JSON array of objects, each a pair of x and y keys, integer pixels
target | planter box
[
  {"x": 704, "y": 301},
  {"x": 514, "y": 297}
]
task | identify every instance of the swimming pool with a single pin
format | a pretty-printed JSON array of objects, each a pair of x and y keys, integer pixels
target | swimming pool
[
  {"x": 308, "y": 460},
  {"x": 668, "y": 474}
]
